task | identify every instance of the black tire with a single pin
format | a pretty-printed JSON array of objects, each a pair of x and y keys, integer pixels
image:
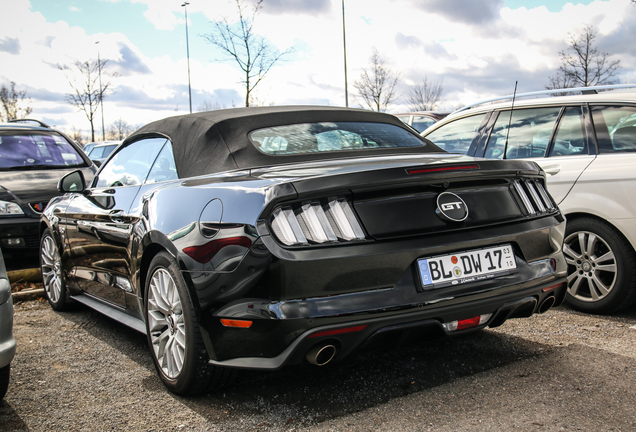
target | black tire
[
  {"x": 601, "y": 267},
  {"x": 174, "y": 327},
  {"x": 5, "y": 373},
  {"x": 51, "y": 267}
]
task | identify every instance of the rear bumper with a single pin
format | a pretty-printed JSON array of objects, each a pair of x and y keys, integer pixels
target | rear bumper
[
  {"x": 288, "y": 298},
  {"x": 418, "y": 324}
]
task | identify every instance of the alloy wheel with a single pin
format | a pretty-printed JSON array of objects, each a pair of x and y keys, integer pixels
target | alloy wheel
[
  {"x": 592, "y": 270},
  {"x": 166, "y": 323},
  {"x": 51, "y": 269}
]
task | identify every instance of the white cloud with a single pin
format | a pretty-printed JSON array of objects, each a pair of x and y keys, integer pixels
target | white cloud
[{"x": 475, "y": 60}]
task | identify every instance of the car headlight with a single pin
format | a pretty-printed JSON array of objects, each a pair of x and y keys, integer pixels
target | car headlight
[
  {"x": 8, "y": 208},
  {"x": 317, "y": 222}
]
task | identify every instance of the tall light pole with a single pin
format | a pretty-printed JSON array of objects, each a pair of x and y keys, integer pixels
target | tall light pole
[
  {"x": 185, "y": 6},
  {"x": 344, "y": 43},
  {"x": 101, "y": 99}
]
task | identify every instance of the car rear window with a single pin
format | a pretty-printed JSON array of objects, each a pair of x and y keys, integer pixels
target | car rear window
[
  {"x": 36, "y": 150},
  {"x": 331, "y": 137}
]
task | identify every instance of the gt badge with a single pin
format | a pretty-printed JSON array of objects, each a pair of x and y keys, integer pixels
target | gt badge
[{"x": 451, "y": 208}]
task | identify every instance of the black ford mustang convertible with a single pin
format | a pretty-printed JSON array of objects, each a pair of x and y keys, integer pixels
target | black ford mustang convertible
[{"x": 262, "y": 237}]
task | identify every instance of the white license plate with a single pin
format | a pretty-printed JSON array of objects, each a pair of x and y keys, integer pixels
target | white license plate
[{"x": 465, "y": 267}]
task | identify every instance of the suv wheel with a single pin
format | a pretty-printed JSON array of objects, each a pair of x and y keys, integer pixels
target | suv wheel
[{"x": 601, "y": 267}]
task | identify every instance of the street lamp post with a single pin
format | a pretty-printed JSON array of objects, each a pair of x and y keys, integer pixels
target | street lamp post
[
  {"x": 101, "y": 99},
  {"x": 185, "y": 6},
  {"x": 344, "y": 43}
]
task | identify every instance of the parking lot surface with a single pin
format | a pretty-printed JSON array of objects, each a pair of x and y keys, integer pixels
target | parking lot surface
[{"x": 80, "y": 371}]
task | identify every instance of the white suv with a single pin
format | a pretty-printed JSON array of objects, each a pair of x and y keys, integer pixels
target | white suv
[{"x": 586, "y": 144}]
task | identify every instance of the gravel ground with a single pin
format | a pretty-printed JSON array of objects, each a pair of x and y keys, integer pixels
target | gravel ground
[{"x": 80, "y": 371}]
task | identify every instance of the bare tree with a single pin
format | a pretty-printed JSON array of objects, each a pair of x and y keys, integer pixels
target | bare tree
[
  {"x": 14, "y": 103},
  {"x": 77, "y": 135},
  {"x": 119, "y": 129},
  {"x": 425, "y": 96},
  {"x": 376, "y": 87},
  {"x": 209, "y": 106},
  {"x": 87, "y": 92},
  {"x": 587, "y": 66},
  {"x": 237, "y": 41}
]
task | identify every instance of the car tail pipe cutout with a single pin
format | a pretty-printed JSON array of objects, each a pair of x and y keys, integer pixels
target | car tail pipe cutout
[
  {"x": 321, "y": 354},
  {"x": 546, "y": 304}
]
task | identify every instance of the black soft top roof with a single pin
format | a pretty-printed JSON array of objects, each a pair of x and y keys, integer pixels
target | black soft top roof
[{"x": 216, "y": 141}]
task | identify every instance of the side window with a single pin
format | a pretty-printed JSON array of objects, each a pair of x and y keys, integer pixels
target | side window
[
  {"x": 96, "y": 153},
  {"x": 456, "y": 137},
  {"x": 421, "y": 123},
  {"x": 570, "y": 137},
  {"x": 130, "y": 165},
  {"x": 615, "y": 128},
  {"x": 164, "y": 167},
  {"x": 529, "y": 134}
]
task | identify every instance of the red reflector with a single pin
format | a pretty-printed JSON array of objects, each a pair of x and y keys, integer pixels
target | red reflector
[
  {"x": 236, "y": 323},
  {"x": 206, "y": 252},
  {"x": 446, "y": 168},
  {"x": 550, "y": 288},
  {"x": 338, "y": 331},
  {"x": 468, "y": 323}
]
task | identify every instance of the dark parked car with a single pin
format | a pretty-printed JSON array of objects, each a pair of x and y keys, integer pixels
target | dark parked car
[
  {"x": 586, "y": 144},
  {"x": 263, "y": 237},
  {"x": 422, "y": 120},
  {"x": 7, "y": 342},
  {"x": 32, "y": 161}
]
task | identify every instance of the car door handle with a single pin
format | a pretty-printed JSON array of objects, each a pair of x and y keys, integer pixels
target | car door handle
[
  {"x": 552, "y": 169},
  {"x": 117, "y": 216}
]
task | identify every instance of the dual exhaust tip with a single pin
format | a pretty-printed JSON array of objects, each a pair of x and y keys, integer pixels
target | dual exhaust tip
[
  {"x": 322, "y": 354},
  {"x": 546, "y": 304}
]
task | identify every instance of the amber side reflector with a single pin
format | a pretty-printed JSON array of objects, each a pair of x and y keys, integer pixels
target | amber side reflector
[
  {"x": 236, "y": 323},
  {"x": 444, "y": 168},
  {"x": 550, "y": 288},
  {"x": 338, "y": 331}
]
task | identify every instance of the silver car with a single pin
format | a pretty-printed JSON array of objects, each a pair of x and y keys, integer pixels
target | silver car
[{"x": 7, "y": 342}]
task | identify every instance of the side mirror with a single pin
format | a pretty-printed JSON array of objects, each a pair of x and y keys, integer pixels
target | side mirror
[
  {"x": 97, "y": 163},
  {"x": 72, "y": 182}
]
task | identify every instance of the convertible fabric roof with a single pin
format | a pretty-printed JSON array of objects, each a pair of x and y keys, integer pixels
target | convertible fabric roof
[{"x": 216, "y": 141}]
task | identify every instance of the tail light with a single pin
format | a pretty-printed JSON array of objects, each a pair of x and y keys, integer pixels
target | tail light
[
  {"x": 317, "y": 222},
  {"x": 534, "y": 197}
]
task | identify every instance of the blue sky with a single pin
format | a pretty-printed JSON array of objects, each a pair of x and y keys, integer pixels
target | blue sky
[{"x": 476, "y": 48}]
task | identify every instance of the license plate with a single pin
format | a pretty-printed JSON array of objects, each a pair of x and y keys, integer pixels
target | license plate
[{"x": 465, "y": 267}]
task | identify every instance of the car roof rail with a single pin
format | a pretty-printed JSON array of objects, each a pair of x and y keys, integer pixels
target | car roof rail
[
  {"x": 583, "y": 90},
  {"x": 28, "y": 120}
]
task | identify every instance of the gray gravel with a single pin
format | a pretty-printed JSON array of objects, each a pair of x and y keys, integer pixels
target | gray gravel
[{"x": 562, "y": 370}]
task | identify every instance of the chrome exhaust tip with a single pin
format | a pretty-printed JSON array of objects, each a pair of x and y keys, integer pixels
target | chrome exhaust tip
[
  {"x": 547, "y": 304},
  {"x": 320, "y": 355}
]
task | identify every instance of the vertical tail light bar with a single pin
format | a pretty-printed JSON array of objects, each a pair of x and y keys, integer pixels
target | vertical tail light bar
[
  {"x": 317, "y": 222},
  {"x": 286, "y": 227},
  {"x": 534, "y": 197},
  {"x": 346, "y": 221}
]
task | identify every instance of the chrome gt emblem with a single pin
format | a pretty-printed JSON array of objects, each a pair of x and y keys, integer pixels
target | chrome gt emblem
[{"x": 451, "y": 208}]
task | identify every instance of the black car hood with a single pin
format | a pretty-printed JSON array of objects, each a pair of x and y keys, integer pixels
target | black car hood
[{"x": 34, "y": 185}]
